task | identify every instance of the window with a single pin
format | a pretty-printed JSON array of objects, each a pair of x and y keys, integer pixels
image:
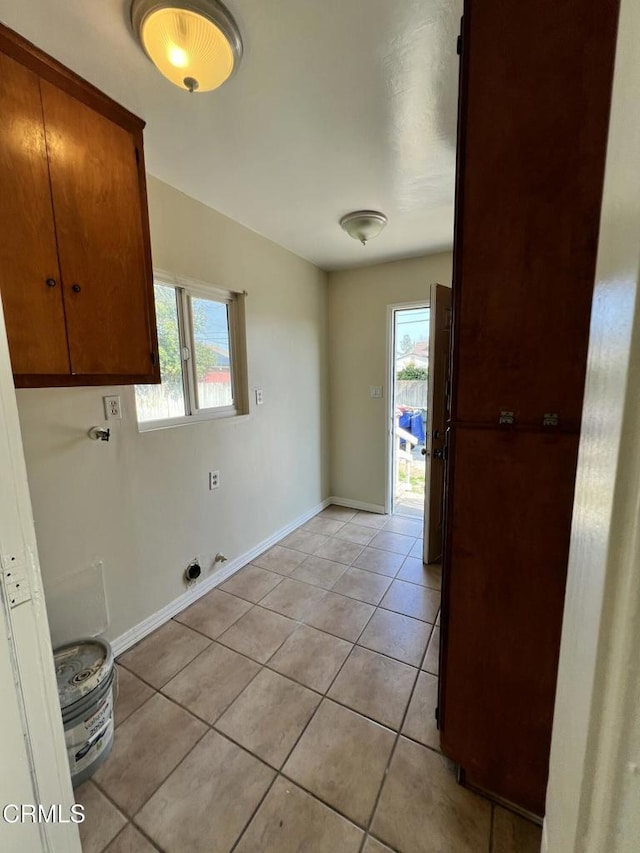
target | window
[{"x": 202, "y": 356}]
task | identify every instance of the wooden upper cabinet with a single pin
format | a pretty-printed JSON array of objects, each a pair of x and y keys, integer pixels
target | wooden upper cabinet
[
  {"x": 76, "y": 276},
  {"x": 96, "y": 199},
  {"x": 532, "y": 144},
  {"x": 29, "y": 273}
]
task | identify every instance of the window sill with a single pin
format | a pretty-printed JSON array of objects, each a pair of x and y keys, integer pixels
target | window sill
[{"x": 169, "y": 423}]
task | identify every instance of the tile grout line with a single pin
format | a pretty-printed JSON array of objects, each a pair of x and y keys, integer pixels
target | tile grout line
[
  {"x": 265, "y": 665},
  {"x": 395, "y": 745},
  {"x": 397, "y": 734},
  {"x": 352, "y": 565},
  {"x": 349, "y": 566},
  {"x": 135, "y": 827},
  {"x": 184, "y": 625},
  {"x": 212, "y": 726},
  {"x": 145, "y": 836},
  {"x": 279, "y": 772},
  {"x": 300, "y": 623},
  {"x": 131, "y": 818},
  {"x": 115, "y": 837},
  {"x": 388, "y": 765},
  {"x": 254, "y": 812},
  {"x": 360, "y": 545},
  {"x": 259, "y": 603},
  {"x": 150, "y": 797},
  {"x": 252, "y": 566}
]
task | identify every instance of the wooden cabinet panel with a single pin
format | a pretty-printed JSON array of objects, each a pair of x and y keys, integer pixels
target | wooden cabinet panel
[
  {"x": 75, "y": 257},
  {"x": 535, "y": 92},
  {"x": 97, "y": 205},
  {"x": 508, "y": 530},
  {"x": 29, "y": 276}
]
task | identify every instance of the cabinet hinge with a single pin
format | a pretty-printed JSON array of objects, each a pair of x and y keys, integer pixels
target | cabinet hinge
[
  {"x": 153, "y": 359},
  {"x": 137, "y": 150},
  {"x": 459, "y": 39},
  {"x": 437, "y": 715}
]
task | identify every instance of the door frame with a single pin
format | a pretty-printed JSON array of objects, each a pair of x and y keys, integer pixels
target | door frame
[
  {"x": 389, "y": 407},
  {"x": 36, "y": 747},
  {"x": 593, "y": 797},
  {"x": 435, "y": 379}
]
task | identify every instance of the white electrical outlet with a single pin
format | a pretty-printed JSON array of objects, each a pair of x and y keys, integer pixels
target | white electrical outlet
[
  {"x": 112, "y": 408},
  {"x": 259, "y": 397},
  {"x": 375, "y": 391},
  {"x": 214, "y": 480}
]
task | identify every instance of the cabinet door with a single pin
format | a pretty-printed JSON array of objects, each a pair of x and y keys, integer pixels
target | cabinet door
[
  {"x": 97, "y": 203},
  {"x": 508, "y": 530},
  {"x": 533, "y": 129},
  {"x": 29, "y": 277}
]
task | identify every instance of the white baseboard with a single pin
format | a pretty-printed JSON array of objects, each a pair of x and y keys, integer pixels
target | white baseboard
[
  {"x": 545, "y": 838},
  {"x": 142, "y": 629},
  {"x": 356, "y": 505}
]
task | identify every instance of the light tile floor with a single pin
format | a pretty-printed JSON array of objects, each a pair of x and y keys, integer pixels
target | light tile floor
[{"x": 293, "y": 709}]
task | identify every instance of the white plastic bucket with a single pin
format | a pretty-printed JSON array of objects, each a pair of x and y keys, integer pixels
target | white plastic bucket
[{"x": 87, "y": 686}]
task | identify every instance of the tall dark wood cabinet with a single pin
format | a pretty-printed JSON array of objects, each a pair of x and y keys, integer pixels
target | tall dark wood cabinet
[{"x": 535, "y": 90}]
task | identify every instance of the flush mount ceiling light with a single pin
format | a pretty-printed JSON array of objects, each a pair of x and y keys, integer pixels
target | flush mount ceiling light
[
  {"x": 195, "y": 43},
  {"x": 363, "y": 225}
]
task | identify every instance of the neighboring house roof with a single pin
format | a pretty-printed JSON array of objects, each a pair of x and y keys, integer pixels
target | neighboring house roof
[
  {"x": 221, "y": 354},
  {"x": 421, "y": 348},
  {"x": 418, "y": 355},
  {"x": 411, "y": 358}
]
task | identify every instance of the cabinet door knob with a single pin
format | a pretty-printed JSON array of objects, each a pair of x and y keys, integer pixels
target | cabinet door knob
[
  {"x": 51, "y": 282},
  {"x": 76, "y": 288}
]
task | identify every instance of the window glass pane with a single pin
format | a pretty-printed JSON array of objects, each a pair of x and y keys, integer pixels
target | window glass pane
[
  {"x": 156, "y": 402},
  {"x": 212, "y": 357}
]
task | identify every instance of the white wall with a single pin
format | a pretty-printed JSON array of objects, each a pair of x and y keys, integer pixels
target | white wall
[
  {"x": 141, "y": 502},
  {"x": 593, "y": 798},
  {"x": 358, "y": 301}
]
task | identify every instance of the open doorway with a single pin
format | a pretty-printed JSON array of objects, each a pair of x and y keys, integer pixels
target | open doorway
[{"x": 409, "y": 374}]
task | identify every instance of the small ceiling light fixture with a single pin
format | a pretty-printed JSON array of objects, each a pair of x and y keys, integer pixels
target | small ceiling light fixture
[
  {"x": 363, "y": 225},
  {"x": 195, "y": 43}
]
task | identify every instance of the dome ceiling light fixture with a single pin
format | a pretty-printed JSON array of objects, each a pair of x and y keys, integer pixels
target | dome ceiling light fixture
[
  {"x": 363, "y": 225},
  {"x": 195, "y": 44}
]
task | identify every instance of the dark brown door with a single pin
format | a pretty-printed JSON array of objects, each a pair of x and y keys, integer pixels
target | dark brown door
[
  {"x": 503, "y": 600},
  {"x": 29, "y": 276},
  {"x": 96, "y": 201},
  {"x": 439, "y": 341}
]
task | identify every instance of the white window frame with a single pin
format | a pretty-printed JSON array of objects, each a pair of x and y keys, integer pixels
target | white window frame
[{"x": 186, "y": 288}]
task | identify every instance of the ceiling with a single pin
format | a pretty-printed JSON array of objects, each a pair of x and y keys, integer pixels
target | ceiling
[{"x": 337, "y": 105}]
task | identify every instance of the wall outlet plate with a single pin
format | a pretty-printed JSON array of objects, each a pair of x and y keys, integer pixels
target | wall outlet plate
[
  {"x": 375, "y": 391},
  {"x": 259, "y": 396},
  {"x": 112, "y": 408},
  {"x": 214, "y": 480}
]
